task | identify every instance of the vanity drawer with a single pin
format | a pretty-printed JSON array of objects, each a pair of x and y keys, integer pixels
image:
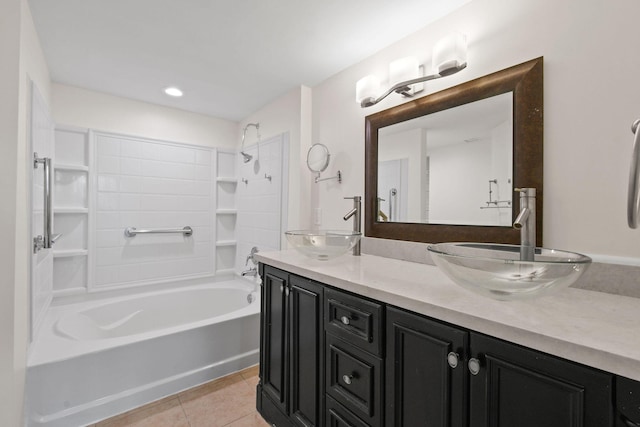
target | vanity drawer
[
  {"x": 338, "y": 416},
  {"x": 354, "y": 378},
  {"x": 354, "y": 319}
]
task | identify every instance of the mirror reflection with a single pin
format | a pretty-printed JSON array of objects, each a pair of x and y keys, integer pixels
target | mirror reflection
[{"x": 454, "y": 166}]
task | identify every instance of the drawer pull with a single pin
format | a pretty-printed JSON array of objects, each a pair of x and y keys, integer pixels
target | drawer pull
[
  {"x": 474, "y": 366},
  {"x": 347, "y": 379},
  {"x": 452, "y": 359},
  {"x": 345, "y": 320}
]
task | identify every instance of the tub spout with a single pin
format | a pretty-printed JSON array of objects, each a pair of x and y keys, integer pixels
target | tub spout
[{"x": 253, "y": 272}]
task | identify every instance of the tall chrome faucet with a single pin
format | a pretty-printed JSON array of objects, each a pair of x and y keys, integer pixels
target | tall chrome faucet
[
  {"x": 357, "y": 225},
  {"x": 526, "y": 223}
]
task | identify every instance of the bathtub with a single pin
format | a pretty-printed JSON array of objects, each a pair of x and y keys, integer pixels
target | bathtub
[{"x": 95, "y": 359}]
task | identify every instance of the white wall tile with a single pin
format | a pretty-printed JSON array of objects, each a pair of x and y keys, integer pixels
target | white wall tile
[
  {"x": 109, "y": 164},
  {"x": 108, "y": 182},
  {"x": 159, "y": 185}
]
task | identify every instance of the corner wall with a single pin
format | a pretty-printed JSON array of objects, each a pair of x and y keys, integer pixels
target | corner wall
[
  {"x": 290, "y": 113},
  {"x": 22, "y": 60}
]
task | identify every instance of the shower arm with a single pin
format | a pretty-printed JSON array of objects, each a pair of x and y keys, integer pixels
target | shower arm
[{"x": 244, "y": 134}]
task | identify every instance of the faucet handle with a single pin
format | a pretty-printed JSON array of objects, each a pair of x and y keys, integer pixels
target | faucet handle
[
  {"x": 356, "y": 198},
  {"x": 526, "y": 191}
]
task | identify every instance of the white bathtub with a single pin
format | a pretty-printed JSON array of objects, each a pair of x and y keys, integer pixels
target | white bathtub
[{"x": 95, "y": 359}]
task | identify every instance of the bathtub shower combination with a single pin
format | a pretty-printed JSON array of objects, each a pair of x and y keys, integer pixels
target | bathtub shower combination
[
  {"x": 96, "y": 359},
  {"x": 141, "y": 296}
]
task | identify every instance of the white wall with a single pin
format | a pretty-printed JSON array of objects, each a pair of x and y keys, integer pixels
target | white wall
[
  {"x": 591, "y": 94},
  {"x": 74, "y": 106},
  {"x": 290, "y": 113},
  {"x": 21, "y": 57}
]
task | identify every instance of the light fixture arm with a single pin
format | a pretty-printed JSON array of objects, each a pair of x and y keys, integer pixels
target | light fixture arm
[{"x": 403, "y": 87}]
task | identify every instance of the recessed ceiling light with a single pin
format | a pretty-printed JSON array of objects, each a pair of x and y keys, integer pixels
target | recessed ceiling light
[{"x": 173, "y": 91}]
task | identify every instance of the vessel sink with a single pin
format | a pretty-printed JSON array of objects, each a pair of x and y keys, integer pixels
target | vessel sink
[
  {"x": 496, "y": 271},
  {"x": 323, "y": 244}
]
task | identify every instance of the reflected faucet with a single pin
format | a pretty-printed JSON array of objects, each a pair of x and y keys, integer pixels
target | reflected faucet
[
  {"x": 526, "y": 223},
  {"x": 357, "y": 225}
]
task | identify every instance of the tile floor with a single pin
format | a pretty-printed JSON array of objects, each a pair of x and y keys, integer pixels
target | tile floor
[{"x": 225, "y": 402}]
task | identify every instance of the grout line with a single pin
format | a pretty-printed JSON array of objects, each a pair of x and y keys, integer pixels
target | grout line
[{"x": 184, "y": 412}]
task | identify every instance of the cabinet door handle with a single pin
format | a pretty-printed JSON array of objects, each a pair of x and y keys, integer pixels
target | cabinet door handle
[
  {"x": 281, "y": 288},
  {"x": 286, "y": 292},
  {"x": 347, "y": 379},
  {"x": 345, "y": 320},
  {"x": 452, "y": 359},
  {"x": 474, "y": 366}
]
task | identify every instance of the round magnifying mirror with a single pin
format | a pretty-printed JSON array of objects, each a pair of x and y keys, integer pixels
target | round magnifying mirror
[{"x": 318, "y": 158}]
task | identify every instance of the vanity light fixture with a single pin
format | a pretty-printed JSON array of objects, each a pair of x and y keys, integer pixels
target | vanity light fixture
[
  {"x": 173, "y": 91},
  {"x": 449, "y": 56}
]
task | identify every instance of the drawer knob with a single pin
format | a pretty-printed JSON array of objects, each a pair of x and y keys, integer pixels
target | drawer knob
[
  {"x": 345, "y": 320},
  {"x": 474, "y": 366},
  {"x": 347, "y": 379},
  {"x": 452, "y": 359}
]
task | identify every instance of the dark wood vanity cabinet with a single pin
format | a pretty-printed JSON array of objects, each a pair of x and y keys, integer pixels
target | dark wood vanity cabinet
[
  {"x": 384, "y": 366},
  {"x": 426, "y": 377},
  {"x": 516, "y": 386},
  {"x": 290, "y": 391}
]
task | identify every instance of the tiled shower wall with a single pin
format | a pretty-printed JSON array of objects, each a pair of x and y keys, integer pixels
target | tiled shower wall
[
  {"x": 151, "y": 184},
  {"x": 262, "y": 198}
]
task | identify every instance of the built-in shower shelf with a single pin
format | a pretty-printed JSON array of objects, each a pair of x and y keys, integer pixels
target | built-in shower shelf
[
  {"x": 70, "y": 253},
  {"x": 226, "y": 211},
  {"x": 226, "y": 243},
  {"x": 228, "y": 180},
  {"x": 70, "y": 210},
  {"x": 68, "y": 167}
]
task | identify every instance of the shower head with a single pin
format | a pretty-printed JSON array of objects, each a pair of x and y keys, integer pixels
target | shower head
[{"x": 248, "y": 157}]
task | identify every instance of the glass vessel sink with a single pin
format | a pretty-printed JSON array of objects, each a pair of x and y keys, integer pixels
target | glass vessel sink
[
  {"x": 323, "y": 244},
  {"x": 495, "y": 270}
]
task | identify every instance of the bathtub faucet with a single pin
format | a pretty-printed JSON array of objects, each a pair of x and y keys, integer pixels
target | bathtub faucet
[{"x": 253, "y": 271}]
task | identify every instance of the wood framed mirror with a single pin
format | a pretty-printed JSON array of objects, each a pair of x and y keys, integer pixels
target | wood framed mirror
[{"x": 522, "y": 87}]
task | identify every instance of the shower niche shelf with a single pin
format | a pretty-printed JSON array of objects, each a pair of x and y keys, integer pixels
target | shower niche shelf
[
  {"x": 71, "y": 213},
  {"x": 226, "y": 180},
  {"x": 75, "y": 168},
  {"x": 221, "y": 243},
  {"x": 226, "y": 211}
]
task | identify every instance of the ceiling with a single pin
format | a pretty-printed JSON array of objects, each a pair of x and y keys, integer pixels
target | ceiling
[{"x": 230, "y": 57}]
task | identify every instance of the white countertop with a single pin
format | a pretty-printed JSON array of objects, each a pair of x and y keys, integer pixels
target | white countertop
[{"x": 593, "y": 328}]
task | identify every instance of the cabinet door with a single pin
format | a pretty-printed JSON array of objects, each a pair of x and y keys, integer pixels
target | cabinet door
[
  {"x": 306, "y": 350},
  {"x": 274, "y": 360},
  {"x": 520, "y": 387},
  {"x": 422, "y": 388}
]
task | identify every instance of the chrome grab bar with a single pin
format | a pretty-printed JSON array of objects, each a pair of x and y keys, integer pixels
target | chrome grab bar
[
  {"x": 47, "y": 239},
  {"x": 633, "y": 195},
  {"x": 132, "y": 231}
]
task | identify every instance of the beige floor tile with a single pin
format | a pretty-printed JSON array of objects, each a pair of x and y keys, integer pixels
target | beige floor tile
[
  {"x": 219, "y": 403},
  {"x": 253, "y": 420},
  {"x": 164, "y": 413}
]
